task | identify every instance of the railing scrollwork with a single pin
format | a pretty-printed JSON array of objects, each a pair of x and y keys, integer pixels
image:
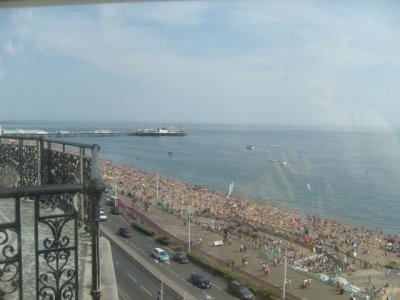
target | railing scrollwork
[{"x": 56, "y": 185}]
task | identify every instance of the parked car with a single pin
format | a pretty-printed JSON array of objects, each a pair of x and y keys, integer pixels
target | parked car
[
  {"x": 200, "y": 281},
  {"x": 103, "y": 216},
  {"x": 125, "y": 232},
  {"x": 239, "y": 290},
  {"x": 160, "y": 254},
  {"x": 181, "y": 257},
  {"x": 116, "y": 210}
]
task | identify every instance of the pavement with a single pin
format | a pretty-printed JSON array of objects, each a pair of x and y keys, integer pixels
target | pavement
[{"x": 173, "y": 224}]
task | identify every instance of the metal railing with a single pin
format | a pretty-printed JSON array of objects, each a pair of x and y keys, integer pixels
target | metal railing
[{"x": 49, "y": 193}]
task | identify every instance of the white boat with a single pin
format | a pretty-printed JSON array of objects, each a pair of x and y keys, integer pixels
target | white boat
[
  {"x": 230, "y": 189},
  {"x": 308, "y": 186},
  {"x": 284, "y": 162},
  {"x": 250, "y": 147},
  {"x": 272, "y": 160}
]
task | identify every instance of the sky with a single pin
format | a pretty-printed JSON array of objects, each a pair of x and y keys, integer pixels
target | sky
[{"x": 301, "y": 63}]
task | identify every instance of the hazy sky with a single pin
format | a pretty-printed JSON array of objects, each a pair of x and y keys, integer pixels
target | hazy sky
[{"x": 319, "y": 63}]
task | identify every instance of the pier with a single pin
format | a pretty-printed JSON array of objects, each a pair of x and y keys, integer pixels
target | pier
[
  {"x": 96, "y": 133},
  {"x": 70, "y": 134}
]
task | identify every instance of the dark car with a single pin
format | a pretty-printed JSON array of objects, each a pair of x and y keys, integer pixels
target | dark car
[
  {"x": 181, "y": 257},
  {"x": 116, "y": 210},
  {"x": 239, "y": 290},
  {"x": 125, "y": 232},
  {"x": 200, "y": 281}
]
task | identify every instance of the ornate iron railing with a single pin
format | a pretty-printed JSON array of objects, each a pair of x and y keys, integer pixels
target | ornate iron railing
[{"x": 49, "y": 194}]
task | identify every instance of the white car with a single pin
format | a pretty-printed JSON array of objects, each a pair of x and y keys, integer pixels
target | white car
[
  {"x": 160, "y": 254},
  {"x": 103, "y": 216}
]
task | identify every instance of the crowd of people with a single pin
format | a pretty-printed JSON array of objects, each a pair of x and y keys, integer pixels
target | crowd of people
[{"x": 269, "y": 228}]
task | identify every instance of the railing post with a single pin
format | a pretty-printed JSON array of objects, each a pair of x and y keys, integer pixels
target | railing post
[
  {"x": 95, "y": 162},
  {"x": 94, "y": 189},
  {"x": 21, "y": 163}
]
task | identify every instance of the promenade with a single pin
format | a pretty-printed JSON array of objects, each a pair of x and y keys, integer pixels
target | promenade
[
  {"x": 175, "y": 226},
  {"x": 274, "y": 230}
]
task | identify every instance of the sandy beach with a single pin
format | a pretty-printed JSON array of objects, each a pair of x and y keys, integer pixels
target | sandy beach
[{"x": 271, "y": 229}]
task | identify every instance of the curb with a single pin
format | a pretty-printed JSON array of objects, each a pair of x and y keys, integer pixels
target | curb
[{"x": 177, "y": 288}]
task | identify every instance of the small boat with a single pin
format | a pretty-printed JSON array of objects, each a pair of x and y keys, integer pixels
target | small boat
[
  {"x": 230, "y": 190},
  {"x": 250, "y": 147},
  {"x": 284, "y": 163},
  {"x": 308, "y": 186},
  {"x": 170, "y": 153},
  {"x": 272, "y": 160}
]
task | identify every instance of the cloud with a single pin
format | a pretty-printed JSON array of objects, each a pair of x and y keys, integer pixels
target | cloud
[
  {"x": 11, "y": 48},
  {"x": 262, "y": 63},
  {"x": 162, "y": 13}
]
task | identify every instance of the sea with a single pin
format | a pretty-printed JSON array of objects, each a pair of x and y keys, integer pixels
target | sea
[{"x": 344, "y": 175}]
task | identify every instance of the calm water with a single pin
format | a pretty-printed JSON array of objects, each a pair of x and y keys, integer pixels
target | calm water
[{"x": 350, "y": 177}]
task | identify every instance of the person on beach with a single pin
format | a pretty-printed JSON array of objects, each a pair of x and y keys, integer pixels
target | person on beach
[{"x": 141, "y": 187}]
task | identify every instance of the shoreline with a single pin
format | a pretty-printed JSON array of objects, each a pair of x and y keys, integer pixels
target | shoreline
[{"x": 309, "y": 229}]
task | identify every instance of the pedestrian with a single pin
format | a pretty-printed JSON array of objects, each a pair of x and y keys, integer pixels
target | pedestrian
[
  {"x": 244, "y": 249},
  {"x": 266, "y": 269},
  {"x": 233, "y": 265},
  {"x": 309, "y": 283},
  {"x": 289, "y": 283}
]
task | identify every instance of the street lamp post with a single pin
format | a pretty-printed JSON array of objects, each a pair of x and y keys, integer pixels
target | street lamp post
[
  {"x": 157, "y": 190},
  {"x": 284, "y": 279},
  {"x": 188, "y": 246}
]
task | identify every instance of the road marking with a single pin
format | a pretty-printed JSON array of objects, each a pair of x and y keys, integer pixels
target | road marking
[
  {"x": 168, "y": 262},
  {"x": 218, "y": 287},
  {"x": 123, "y": 295},
  {"x": 146, "y": 291},
  {"x": 132, "y": 277},
  {"x": 207, "y": 296}
]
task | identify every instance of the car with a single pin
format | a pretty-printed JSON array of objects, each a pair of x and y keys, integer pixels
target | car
[
  {"x": 124, "y": 232},
  {"x": 181, "y": 257},
  {"x": 160, "y": 254},
  {"x": 200, "y": 281},
  {"x": 239, "y": 290},
  {"x": 103, "y": 216},
  {"x": 116, "y": 210}
]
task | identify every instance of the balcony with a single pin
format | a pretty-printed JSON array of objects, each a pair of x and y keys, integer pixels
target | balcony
[{"x": 50, "y": 193}]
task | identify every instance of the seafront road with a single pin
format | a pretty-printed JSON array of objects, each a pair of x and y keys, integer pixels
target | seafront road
[
  {"x": 174, "y": 225},
  {"x": 138, "y": 248}
]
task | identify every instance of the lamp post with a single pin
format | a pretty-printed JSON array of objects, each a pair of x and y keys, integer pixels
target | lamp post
[
  {"x": 188, "y": 246},
  {"x": 158, "y": 183},
  {"x": 284, "y": 279}
]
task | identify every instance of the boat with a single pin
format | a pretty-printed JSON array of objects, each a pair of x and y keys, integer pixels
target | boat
[
  {"x": 170, "y": 153},
  {"x": 308, "y": 186},
  {"x": 284, "y": 163},
  {"x": 272, "y": 160},
  {"x": 230, "y": 190},
  {"x": 250, "y": 147},
  {"x": 160, "y": 131}
]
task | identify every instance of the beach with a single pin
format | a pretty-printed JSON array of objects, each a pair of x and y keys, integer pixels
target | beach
[{"x": 269, "y": 229}]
